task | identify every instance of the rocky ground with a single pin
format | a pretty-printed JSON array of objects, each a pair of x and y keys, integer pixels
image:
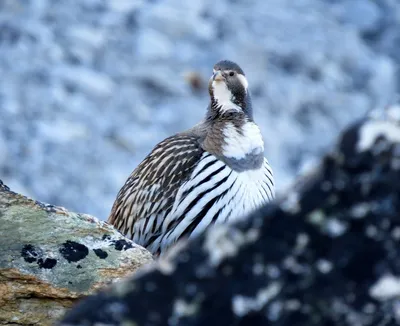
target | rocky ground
[
  {"x": 326, "y": 253},
  {"x": 51, "y": 257},
  {"x": 89, "y": 86}
]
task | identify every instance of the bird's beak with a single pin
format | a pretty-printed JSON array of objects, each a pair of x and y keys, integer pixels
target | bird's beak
[{"x": 218, "y": 76}]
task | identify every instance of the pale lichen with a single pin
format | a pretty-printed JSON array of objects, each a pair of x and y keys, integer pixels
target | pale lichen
[{"x": 242, "y": 305}]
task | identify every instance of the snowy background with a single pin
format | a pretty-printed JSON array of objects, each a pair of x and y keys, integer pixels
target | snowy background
[{"x": 88, "y": 87}]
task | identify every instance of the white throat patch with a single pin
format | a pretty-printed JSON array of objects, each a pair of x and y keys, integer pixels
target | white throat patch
[
  {"x": 239, "y": 144},
  {"x": 224, "y": 97}
]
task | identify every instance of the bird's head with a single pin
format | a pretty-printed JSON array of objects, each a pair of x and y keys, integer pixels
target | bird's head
[{"x": 228, "y": 88}]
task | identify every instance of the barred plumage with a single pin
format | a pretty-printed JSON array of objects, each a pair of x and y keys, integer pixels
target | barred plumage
[{"x": 212, "y": 173}]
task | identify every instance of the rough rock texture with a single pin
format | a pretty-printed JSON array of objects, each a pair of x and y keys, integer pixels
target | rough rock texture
[
  {"x": 327, "y": 253},
  {"x": 50, "y": 257},
  {"x": 92, "y": 85}
]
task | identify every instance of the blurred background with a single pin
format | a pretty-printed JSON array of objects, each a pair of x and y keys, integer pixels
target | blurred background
[{"x": 88, "y": 87}]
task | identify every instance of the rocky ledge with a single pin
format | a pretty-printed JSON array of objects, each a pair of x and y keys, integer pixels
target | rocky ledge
[
  {"x": 50, "y": 257},
  {"x": 325, "y": 254}
]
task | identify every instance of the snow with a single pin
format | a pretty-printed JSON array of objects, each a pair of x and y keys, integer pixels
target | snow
[
  {"x": 370, "y": 132},
  {"x": 387, "y": 287},
  {"x": 242, "y": 305}
]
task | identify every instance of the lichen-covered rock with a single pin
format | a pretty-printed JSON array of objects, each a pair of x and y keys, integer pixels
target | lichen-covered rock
[
  {"x": 325, "y": 254},
  {"x": 50, "y": 257}
]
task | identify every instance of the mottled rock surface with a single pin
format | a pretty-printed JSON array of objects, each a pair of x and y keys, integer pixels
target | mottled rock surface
[
  {"x": 327, "y": 253},
  {"x": 50, "y": 257}
]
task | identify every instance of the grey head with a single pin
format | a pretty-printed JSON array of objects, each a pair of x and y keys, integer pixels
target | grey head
[{"x": 228, "y": 88}]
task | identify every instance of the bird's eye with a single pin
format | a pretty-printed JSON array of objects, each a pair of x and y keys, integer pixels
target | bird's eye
[{"x": 231, "y": 73}]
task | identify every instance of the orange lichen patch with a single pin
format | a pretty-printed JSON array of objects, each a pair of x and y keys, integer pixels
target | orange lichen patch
[{"x": 27, "y": 300}]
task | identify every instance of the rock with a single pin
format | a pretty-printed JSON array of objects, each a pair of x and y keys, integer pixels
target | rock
[
  {"x": 326, "y": 253},
  {"x": 50, "y": 257}
]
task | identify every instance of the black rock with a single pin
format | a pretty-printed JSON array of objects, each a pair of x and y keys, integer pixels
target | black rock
[{"x": 325, "y": 254}]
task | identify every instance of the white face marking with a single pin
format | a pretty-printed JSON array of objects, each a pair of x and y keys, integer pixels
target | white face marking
[
  {"x": 224, "y": 96},
  {"x": 238, "y": 145},
  {"x": 243, "y": 81}
]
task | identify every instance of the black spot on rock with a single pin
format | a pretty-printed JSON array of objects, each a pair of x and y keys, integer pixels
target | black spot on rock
[
  {"x": 47, "y": 263},
  {"x": 29, "y": 253},
  {"x": 106, "y": 237},
  {"x": 73, "y": 251},
  {"x": 122, "y": 245},
  {"x": 3, "y": 187},
  {"x": 79, "y": 266},
  {"x": 100, "y": 253}
]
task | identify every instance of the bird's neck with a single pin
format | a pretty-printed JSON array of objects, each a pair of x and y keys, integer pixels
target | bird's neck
[
  {"x": 236, "y": 140},
  {"x": 220, "y": 107}
]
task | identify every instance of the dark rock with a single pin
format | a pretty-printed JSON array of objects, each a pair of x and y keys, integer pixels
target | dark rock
[
  {"x": 100, "y": 253},
  {"x": 73, "y": 251},
  {"x": 47, "y": 263},
  {"x": 327, "y": 253},
  {"x": 122, "y": 245}
]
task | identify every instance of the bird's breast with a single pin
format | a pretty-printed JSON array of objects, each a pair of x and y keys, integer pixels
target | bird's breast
[{"x": 243, "y": 147}]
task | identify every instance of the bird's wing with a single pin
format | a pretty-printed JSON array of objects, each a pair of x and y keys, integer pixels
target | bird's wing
[{"x": 149, "y": 193}]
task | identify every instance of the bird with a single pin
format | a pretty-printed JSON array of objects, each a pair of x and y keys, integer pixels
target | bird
[{"x": 212, "y": 173}]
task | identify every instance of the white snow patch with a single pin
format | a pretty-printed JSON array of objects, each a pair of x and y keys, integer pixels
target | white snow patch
[
  {"x": 222, "y": 242},
  {"x": 373, "y": 129},
  {"x": 324, "y": 266},
  {"x": 123, "y": 6},
  {"x": 166, "y": 263},
  {"x": 183, "y": 308},
  {"x": 62, "y": 131},
  {"x": 360, "y": 210},
  {"x": 369, "y": 308},
  {"x": 335, "y": 227},
  {"x": 273, "y": 271},
  {"x": 293, "y": 305},
  {"x": 302, "y": 241},
  {"x": 396, "y": 310},
  {"x": 371, "y": 231},
  {"x": 316, "y": 217},
  {"x": 242, "y": 305},
  {"x": 396, "y": 233},
  {"x": 393, "y": 112},
  {"x": 387, "y": 287},
  {"x": 258, "y": 268},
  {"x": 395, "y": 164},
  {"x": 290, "y": 263},
  {"x": 291, "y": 203},
  {"x": 89, "y": 81}
]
